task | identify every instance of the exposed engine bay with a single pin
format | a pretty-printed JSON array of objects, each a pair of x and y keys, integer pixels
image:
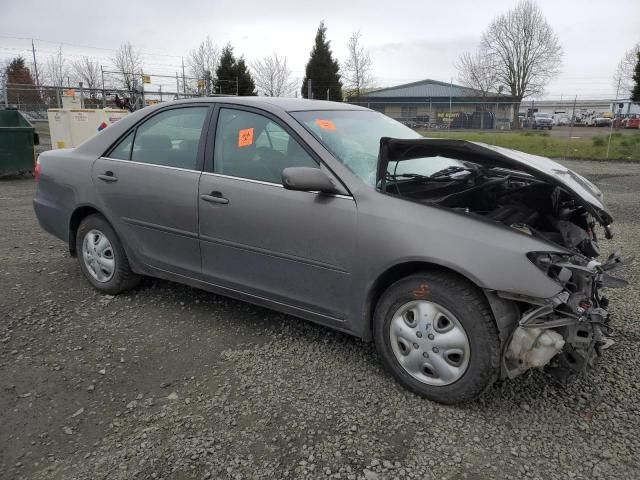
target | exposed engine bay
[
  {"x": 518, "y": 201},
  {"x": 534, "y": 196}
]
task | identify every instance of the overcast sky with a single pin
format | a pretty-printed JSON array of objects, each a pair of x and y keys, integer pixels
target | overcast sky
[{"x": 408, "y": 41}]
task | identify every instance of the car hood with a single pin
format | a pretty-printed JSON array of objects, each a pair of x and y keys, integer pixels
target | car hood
[{"x": 584, "y": 192}]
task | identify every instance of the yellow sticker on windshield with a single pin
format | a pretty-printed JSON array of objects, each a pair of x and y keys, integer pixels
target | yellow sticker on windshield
[
  {"x": 325, "y": 124},
  {"x": 245, "y": 137}
]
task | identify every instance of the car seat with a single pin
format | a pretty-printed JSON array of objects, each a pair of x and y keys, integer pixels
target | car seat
[{"x": 152, "y": 148}]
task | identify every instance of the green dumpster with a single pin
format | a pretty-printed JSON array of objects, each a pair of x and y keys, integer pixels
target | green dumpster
[{"x": 17, "y": 140}]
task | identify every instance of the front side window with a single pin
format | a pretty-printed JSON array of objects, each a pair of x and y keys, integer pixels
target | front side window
[
  {"x": 170, "y": 138},
  {"x": 249, "y": 145}
]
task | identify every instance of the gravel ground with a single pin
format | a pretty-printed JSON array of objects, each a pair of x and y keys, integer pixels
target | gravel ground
[{"x": 171, "y": 382}]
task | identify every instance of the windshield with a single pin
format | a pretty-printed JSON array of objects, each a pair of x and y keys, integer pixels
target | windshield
[
  {"x": 543, "y": 115},
  {"x": 353, "y": 137}
]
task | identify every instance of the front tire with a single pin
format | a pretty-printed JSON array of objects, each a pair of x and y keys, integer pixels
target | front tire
[
  {"x": 102, "y": 258},
  {"x": 436, "y": 335}
]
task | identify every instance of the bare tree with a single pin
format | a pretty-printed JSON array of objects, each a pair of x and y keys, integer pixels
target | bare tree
[
  {"x": 356, "y": 70},
  {"x": 525, "y": 50},
  {"x": 203, "y": 60},
  {"x": 478, "y": 71},
  {"x": 87, "y": 71},
  {"x": 624, "y": 72},
  {"x": 128, "y": 63},
  {"x": 56, "y": 70},
  {"x": 272, "y": 76}
]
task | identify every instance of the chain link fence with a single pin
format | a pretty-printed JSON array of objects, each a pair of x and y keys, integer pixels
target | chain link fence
[
  {"x": 573, "y": 128},
  {"x": 112, "y": 89}
]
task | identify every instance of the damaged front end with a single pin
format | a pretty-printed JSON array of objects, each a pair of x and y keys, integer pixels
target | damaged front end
[
  {"x": 567, "y": 332},
  {"x": 536, "y": 197}
]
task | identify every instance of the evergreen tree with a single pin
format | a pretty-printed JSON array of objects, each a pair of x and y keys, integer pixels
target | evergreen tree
[
  {"x": 21, "y": 89},
  {"x": 225, "y": 73},
  {"x": 322, "y": 70},
  {"x": 231, "y": 70},
  {"x": 635, "y": 93},
  {"x": 246, "y": 85}
]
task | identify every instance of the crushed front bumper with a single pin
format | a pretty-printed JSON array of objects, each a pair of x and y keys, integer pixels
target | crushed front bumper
[{"x": 566, "y": 333}]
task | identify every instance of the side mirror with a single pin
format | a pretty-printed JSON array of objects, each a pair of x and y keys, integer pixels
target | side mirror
[{"x": 306, "y": 179}]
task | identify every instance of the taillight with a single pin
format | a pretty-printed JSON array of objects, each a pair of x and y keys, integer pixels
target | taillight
[{"x": 36, "y": 170}]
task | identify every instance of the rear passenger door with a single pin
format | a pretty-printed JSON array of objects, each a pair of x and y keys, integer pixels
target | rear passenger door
[{"x": 148, "y": 186}]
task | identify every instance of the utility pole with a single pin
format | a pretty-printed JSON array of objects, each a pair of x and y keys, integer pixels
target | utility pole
[
  {"x": 327, "y": 94},
  {"x": 177, "y": 86},
  {"x": 144, "y": 104},
  {"x": 184, "y": 85},
  {"x": 237, "y": 87},
  {"x": 6, "y": 91},
  {"x": 35, "y": 63},
  {"x": 81, "y": 95},
  {"x": 573, "y": 118},
  {"x": 611, "y": 127},
  {"x": 450, "y": 105},
  {"x": 309, "y": 92},
  {"x": 104, "y": 95},
  {"x": 160, "y": 93}
]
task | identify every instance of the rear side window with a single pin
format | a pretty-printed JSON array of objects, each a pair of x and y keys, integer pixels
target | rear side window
[
  {"x": 123, "y": 150},
  {"x": 169, "y": 138}
]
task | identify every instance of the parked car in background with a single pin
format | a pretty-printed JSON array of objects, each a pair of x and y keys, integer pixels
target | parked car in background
[
  {"x": 463, "y": 262},
  {"x": 542, "y": 120},
  {"x": 631, "y": 122},
  {"x": 598, "y": 120},
  {"x": 602, "y": 122}
]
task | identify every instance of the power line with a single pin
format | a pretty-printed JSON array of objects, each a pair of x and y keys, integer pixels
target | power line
[{"x": 85, "y": 46}]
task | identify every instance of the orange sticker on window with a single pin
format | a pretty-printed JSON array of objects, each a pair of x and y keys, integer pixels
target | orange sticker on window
[
  {"x": 245, "y": 137},
  {"x": 325, "y": 124}
]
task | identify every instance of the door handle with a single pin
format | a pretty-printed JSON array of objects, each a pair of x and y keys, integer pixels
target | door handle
[
  {"x": 215, "y": 197},
  {"x": 108, "y": 176}
]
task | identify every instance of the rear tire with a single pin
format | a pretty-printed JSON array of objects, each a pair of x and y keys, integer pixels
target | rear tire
[
  {"x": 102, "y": 258},
  {"x": 436, "y": 335}
]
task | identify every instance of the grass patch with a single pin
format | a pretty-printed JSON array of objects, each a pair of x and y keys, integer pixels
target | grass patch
[{"x": 623, "y": 147}]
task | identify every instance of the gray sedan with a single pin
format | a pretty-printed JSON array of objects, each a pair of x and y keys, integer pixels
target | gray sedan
[{"x": 464, "y": 262}]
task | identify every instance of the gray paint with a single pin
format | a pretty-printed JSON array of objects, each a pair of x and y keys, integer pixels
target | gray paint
[{"x": 312, "y": 255}]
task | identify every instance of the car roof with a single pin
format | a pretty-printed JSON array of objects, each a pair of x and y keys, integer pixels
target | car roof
[
  {"x": 269, "y": 103},
  {"x": 98, "y": 144}
]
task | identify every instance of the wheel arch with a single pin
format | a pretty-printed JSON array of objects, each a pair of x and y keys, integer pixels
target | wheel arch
[
  {"x": 79, "y": 214},
  {"x": 402, "y": 270}
]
